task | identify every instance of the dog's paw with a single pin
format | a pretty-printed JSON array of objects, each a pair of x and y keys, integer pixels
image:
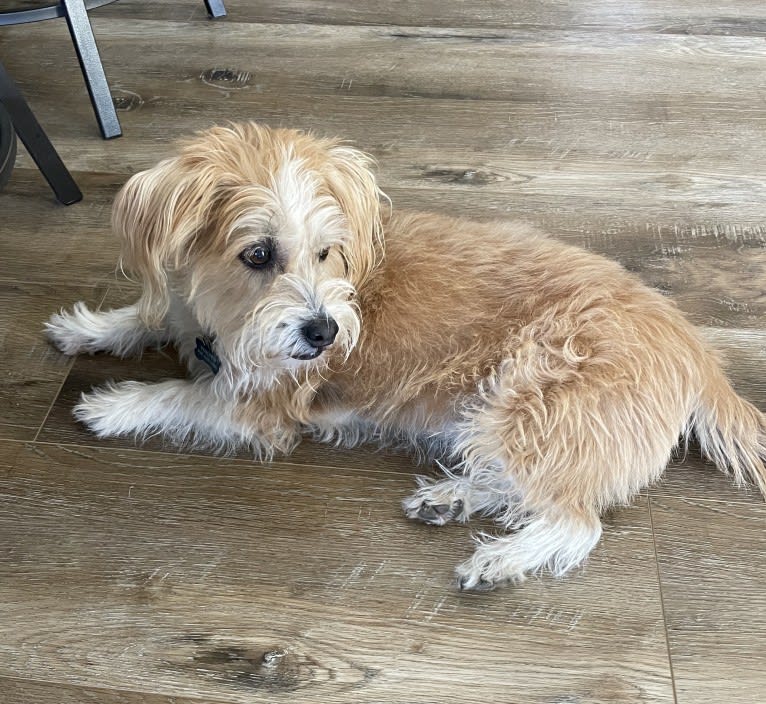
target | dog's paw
[
  {"x": 433, "y": 514},
  {"x": 435, "y": 503},
  {"x": 492, "y": 564},
  {"x": 474, "y": 583},
  {"x": 113, "y": 409},
  {"x": 71, "y": 332},
  {"x": 474, "y": 575}
]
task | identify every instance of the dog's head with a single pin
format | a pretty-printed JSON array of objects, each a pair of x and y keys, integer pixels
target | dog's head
[{"x": 266, "y": 233}]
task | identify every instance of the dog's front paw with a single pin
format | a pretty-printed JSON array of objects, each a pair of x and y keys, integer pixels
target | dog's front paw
[
  {"x": 435, "y": 503},
  {"x": 72, "y": 332},
  {"x": 113, "y": 410}
]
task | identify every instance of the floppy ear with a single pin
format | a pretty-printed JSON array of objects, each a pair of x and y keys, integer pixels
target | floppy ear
[
  {"x": 353, "y": 185},
  {"x": 156, "y": 215}
]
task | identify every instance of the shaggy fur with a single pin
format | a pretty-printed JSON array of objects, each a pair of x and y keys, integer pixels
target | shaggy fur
[{"x": 548, "y": 381}]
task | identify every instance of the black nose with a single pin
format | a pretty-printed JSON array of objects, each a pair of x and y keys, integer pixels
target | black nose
[{"x": 320, "y": 332}]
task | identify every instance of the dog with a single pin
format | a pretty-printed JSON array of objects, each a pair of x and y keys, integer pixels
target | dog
[{"x": 547, "y": 382}]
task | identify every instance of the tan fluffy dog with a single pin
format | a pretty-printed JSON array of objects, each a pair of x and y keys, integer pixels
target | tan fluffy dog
[{"x": 548, "y": 382}]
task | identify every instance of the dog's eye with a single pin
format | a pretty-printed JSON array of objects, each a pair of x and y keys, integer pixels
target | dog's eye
[
  {"x": 256, "y": 256},
  {"x": 323, "y": 254}
]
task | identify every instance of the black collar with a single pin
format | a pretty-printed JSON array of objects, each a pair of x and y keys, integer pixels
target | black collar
[{"x": 204, "y": 353}]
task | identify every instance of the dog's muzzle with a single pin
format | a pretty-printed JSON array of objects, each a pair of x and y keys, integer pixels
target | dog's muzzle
[{"x": 319, "y": 333}]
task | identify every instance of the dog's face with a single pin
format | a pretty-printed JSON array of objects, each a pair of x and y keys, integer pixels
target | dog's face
[{"x": 266, "y": 234}]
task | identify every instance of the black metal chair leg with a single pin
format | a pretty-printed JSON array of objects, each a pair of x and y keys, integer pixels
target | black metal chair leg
[
  {"x": 92, "y": 70},
  {"x": 215, "y": 8},
  {"x": 36, "y": 141}
]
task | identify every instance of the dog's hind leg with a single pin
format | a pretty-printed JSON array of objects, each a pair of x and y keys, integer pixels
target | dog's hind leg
[
  {"x": 458, "y": 497},
  {"x": 557, "y": 541},
  {"x": 119, "y": 331},
  {"x": 567, "y": 420}
]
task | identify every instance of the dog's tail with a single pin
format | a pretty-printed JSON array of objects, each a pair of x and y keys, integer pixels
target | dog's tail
[{"x": 730, "y": 430}]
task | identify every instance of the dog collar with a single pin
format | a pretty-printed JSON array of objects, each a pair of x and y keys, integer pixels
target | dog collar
[{"x": 205, "y": 354}]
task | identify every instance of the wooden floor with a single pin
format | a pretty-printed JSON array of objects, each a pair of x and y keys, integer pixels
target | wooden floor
[{"x": 138, "y": 575}]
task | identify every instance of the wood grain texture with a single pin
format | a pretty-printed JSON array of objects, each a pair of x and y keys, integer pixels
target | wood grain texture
[
  {"x": 15, "y": 690},
  {"x": 32, "y": 372},
  {"x": 740, "y": 18},
  {"x": 712, "y": 574},
  {"x": 231, "y": 581},
  {"x": 40, "y": 243}
]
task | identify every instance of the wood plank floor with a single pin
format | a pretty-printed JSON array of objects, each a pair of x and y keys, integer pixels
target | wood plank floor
[{"x": 143, "y": 575}]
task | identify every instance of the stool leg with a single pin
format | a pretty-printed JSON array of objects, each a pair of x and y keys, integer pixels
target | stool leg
[
  {"x": 215, "y": 8},
  {"x": 36, "y": 141},
  {"x": 92, "y": 70}
]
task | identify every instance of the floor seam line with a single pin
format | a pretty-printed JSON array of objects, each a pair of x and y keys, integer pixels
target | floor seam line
[
  {"x": 662, "y": 599},
  {"x": 71, "y": 362}
]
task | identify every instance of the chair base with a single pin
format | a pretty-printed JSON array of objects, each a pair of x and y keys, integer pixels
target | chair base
[
  {"x": 215, "y": 8},
  {"x": 36, "y": 141}
]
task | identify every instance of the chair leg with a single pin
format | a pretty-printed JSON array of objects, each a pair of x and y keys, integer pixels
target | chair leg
[
  {"x": 215, "y": 8},
  {"x": 92, "y": 70},
  {"x": 36, "y": 141}
]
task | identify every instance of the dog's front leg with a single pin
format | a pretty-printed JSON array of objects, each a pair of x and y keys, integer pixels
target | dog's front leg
[
  {"x": 119, "y": 331},
  {"x": 187, "y": 412}
]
